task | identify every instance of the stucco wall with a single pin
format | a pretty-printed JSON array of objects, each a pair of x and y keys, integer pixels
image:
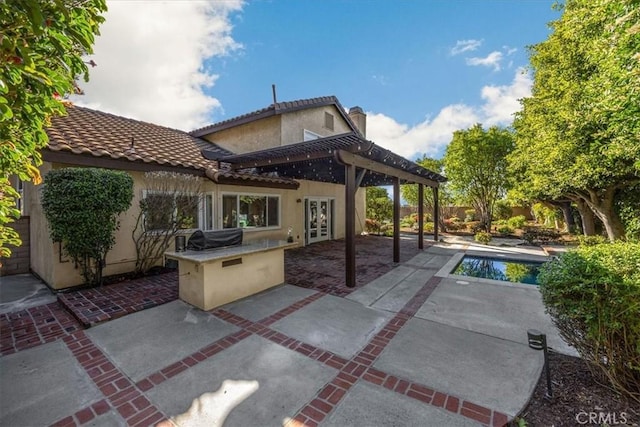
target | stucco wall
[
  {"x": 294, "y": 123},
  {"x": 60, "y": 272},
  {"x": 253, "y": 136}
]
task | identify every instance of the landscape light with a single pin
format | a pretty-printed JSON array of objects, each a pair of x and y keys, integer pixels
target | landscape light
[{"x": 538, "y": 341}]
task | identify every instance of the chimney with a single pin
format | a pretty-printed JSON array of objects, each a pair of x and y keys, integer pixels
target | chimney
[{"x": 359, "y": 118}]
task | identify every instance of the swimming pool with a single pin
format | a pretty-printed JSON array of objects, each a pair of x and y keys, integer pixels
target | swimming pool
[{"x": 506, "y": 270}]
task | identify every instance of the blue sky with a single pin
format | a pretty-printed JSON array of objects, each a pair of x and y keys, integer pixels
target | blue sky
[{"x": 420, "y": 69}]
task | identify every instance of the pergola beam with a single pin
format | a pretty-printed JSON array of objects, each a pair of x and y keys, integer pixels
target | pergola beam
[
  {"x": 396, "y": 219},
  {"x": 350, "y": 225},
  {"x": 420, "y": 216},
  {"x": 345, "y": 157}
]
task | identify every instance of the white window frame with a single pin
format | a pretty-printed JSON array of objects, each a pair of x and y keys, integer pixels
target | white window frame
[
  {"x": 201, "y": 209},
  {"x": 238, "y": 195}
]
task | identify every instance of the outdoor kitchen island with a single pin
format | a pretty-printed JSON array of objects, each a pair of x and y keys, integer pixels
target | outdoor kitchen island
[{"x": 213, "y": 277}]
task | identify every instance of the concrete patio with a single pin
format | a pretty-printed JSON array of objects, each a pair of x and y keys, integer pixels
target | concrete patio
[{"x": 414, "y": 346}]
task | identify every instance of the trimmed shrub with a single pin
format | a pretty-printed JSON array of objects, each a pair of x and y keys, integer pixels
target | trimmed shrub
[
  {"x": 82, "y": 206},
  {"x": 502, "y": 210},
  {"x": 470, "y": 215},
  {"x": 593, "y": 296},
  {"x": 517, "y": 221},
  {"x": 478, "y": 227},
  {"x": 483, "y": 237},
  {"x": 592, "y": 240},
  {"x": 505, "y": 230},
  {"x": 407, "y": 222},
  {"x": 451, "y": 225},
  {"x": 537, "y": 235}
]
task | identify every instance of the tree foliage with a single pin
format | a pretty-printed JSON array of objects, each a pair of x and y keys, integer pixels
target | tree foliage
[
  {"x": 476, "y": 167},
  {"x": 41, "y": 48},
  {"x": 379, "y": 204},
  {"x": 82, "y": 207},
  {"x": 593, "y": 296},
  {"x": 445, "y": 200},
  {"x": 171, "y": 198},
  {"x": 578, "y": 135}
]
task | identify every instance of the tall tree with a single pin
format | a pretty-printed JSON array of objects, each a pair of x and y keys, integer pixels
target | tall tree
[
  {"x": 476, "y": 165},
  {"x": 578, "y": 135},
  {"x": 42, "y": 43},
  {"x": 410, "y": 191},
  {"x": 379, "y": 204}
]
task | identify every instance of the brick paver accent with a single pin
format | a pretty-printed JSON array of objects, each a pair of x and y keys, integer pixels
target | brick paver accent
[
  {"x": 97, "y": 305},
  {"x": 34, "y": 326},
  {"x": 120, "y": 392},
  {"x": 47, "y": 323}
]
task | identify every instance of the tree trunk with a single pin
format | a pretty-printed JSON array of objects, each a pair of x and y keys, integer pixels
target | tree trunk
[
  {"x": 603, "y": 207},
  {"x": 586, "y": 216},
  {"x": 570, "y": 224}
]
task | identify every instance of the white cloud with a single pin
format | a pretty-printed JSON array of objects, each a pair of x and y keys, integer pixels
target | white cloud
[
  {"x": 491, "y": 60},
  {"x": 431, "y": 136},
  {"x": 150, "y": 58},
  {"x": 509, "y": 50},
  {"x": 465, "y": 46},
  {"x": 502, "y": 101}
]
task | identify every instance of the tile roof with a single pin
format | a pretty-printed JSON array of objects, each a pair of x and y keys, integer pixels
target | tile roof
[
  {"x": 275, "y": 109},
  {"x": 86, "y": 131}
]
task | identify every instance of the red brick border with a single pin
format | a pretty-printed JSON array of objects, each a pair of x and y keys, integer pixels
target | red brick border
[
  {"x": 360, "y": 367},
  {"x": 97, "y": 305},
  {"x": 248, "y": 328},
  {"x": 120, "y": 392},
  {"x": 33, "y": 327}
]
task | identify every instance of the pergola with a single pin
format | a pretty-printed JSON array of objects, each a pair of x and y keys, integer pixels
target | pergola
[{"x": 346, "y": 159}]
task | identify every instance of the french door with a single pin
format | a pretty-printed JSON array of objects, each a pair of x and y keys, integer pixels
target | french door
[{"x": 318, "y": 219}]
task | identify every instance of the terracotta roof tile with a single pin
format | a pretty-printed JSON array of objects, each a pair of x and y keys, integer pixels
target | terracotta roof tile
[{"x": 86, "y": 131}]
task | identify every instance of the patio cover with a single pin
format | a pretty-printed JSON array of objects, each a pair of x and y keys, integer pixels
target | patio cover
[{"x": 347, "y": 159}]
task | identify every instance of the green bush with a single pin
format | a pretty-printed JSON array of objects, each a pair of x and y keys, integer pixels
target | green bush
[
  {"x": 470, "y": 215},
  {"x": 502, "y": 210},
  {"x": 82, "y": 206},
  {"x": 517, "y": 221},
  {"x": 505, "y": 230},
  {"x": 593, "y": 296},
  {"x": 407, "y": 222},
  {"x": 538, "y": 235},
  {"x": 483, "y": 237},
  {"x": 591, "y": 240}
]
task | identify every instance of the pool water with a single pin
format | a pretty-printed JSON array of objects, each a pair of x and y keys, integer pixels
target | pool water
[{"x": 499, "y": 269}]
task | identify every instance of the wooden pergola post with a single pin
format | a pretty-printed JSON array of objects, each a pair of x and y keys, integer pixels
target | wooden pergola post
[
  {"x": 420, "y": 216},
  {"x": 350, "y": 225},
  {"x": 436, "y": 210},
  {"x": 396, "y": 219}
]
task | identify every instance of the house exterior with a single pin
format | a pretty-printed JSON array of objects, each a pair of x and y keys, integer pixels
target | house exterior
[{"x": 266, "y": 205}]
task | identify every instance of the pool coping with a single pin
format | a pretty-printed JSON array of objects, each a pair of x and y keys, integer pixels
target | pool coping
[{"x": 445, "y": 271}]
